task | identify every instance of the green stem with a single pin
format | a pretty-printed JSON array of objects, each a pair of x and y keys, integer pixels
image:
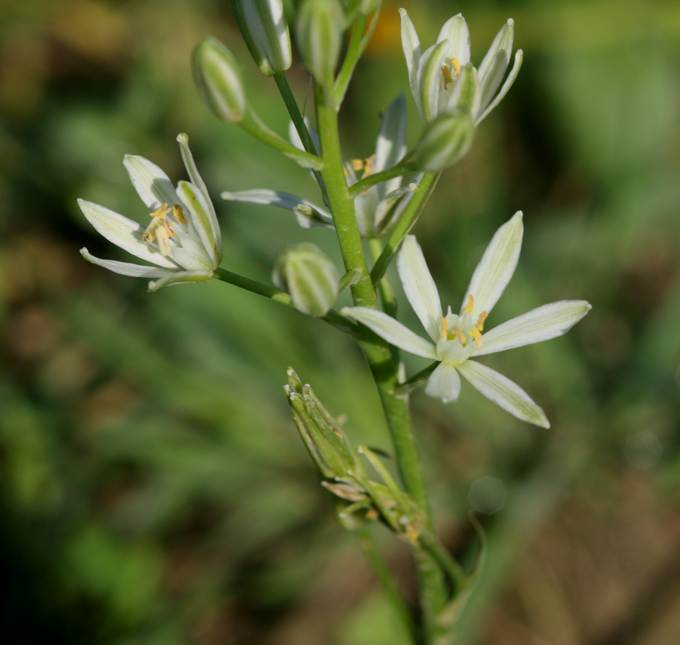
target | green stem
[
  {"x": 254, "y": 126},
  {"x": 383, "y": 360},
  {"x": 370, "y": 549},
  {"x": 299, "y": 123},
  {"x": 333, "y": 317},
  {"x": 405, "y": 224},
  {"x": 387, "y": 297},
  {"x": 365, "y": 183},
  {"x": 294, "y": 111}
]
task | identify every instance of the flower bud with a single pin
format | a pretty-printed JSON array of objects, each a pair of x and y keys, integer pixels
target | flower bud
[
  {"x": 362, "y": 7},
  {"x": 310, "y": 277},
  {"x": 265, "y": 30},
  {"x": 218, "y": 78},
  {"x": 323, "y": 437},
  {"x": 444, "y": 141},
  {"x": 320, "y": 26}
]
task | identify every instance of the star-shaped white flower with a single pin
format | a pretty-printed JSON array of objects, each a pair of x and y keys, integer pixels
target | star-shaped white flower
[
  {"x": 182, "y": 242},
  {"x": 442, "y": 76},
  {"x": 458, "y": 338}
]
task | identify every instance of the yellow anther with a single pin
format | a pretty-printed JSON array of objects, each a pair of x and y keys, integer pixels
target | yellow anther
[
  {"x": 446, "y": 74},
  {"x": 469, "y": 304},
  {"x": 178, "y": 214},
  {"x": 161, "y": 211},
  {"x": 476, "y": 336},
  {"x": 447, "y": 68},
  {"x": 481, "y": 320},
  {"x": 444, "y": 327},
  {"x": 366, "y": 165}
]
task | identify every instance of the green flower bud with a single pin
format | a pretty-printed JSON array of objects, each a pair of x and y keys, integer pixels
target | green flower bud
[
  {"x": 323, "y": 437},
  {"x": 265, "y": 30},
  {"x": 310, "y": 277},
  {"x": 320, "y": 26},
  {"x": 362, "y": 7},
  {"x": 218, "y": 78},
  {"x": 444, "y": 141}
]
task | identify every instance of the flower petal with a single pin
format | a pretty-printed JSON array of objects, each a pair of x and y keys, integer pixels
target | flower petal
[
  {"x": 197, "y": 180},
  {"x": 391, "y": 330},
  {"x": 495, "y": 63},
  {"x": 509, "y": 82},
  {"x": 391, "y": 145},
  {"x": 127, "y": 268},
  {"x": 152, "y": 185},
  {"x": 503, "y": 392},
  {"x": 496, "y": 266},
  {"x": 419, "y": 286},
  {"x": 428, "y": 80},
  {"x": 444, "y": 383},
  {"x": 307, "y": 213},
  {"x": 194, "y": 202},
  {"x": 410, "y": 44},
  {"x": 123, "y": 232},
  {"x": 535, "y": 326},
  {"x": 457, "y": 35}
]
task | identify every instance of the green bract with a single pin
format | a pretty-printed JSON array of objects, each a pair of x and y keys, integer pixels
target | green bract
[
  {"x": 265, "y": 30},
  {"x": 310, "y": 277},
  {"x": 183, "y": 241},
  {"x": 435, "y": 74},
  {"x": 218, "y": 78},
  {"x": 457, "y": 338}
]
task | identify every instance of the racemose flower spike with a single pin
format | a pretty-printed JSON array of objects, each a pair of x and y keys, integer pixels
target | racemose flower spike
[
  {"x": 182, "y": 242},
  {"x": 456, "y": 339}
]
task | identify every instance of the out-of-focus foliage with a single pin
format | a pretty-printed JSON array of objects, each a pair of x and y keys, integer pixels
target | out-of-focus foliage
[{"x": 152, "y": 487}]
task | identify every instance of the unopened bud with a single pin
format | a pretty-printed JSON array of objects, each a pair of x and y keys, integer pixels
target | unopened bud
[
  {"x": 310, "y": 277},
  {"x": 218, "y": 78},
  {"x": 445, "y": 140},
  {"x": 265, "y": 30},
  {"x": 323, "y": 436},
  {"x": 320, "y": 26}
]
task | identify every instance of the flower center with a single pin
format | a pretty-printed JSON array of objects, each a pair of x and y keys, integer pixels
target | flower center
[
  {"x": 463, "y": 328},
  {"x": 450, "y": 72},
  {"x": 161, "y": 230}
]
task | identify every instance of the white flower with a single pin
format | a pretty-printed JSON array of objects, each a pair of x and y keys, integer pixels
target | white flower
[
  {"x": 437, "y": 75},
  {"x": 457, "y": 338},
  {"x": 378, "y": 206},
  {"x": 183, "y": 242}
]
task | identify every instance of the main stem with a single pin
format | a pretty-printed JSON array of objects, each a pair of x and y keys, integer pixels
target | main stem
[{"x": 383, "y": 360}]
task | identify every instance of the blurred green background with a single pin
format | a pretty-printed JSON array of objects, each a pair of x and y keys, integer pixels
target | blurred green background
[{"x": 152, "y": 487}]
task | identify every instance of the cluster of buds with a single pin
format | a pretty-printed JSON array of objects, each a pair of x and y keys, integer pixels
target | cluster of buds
[{"x": 343, "y": 473}]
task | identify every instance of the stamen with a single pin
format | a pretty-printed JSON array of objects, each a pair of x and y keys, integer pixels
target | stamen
[
  {"x": 455, "y": 63},
  {"x": 469, "y": 304},
  {"x": 446, "y": 73},
  {"x": 178, "y": 214},
  {"x": 160, "y": 228},
  {"x": 163, "y": 239},
  {"x": 444, "y": 327},
  {"x": 481, "y": 320}
]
